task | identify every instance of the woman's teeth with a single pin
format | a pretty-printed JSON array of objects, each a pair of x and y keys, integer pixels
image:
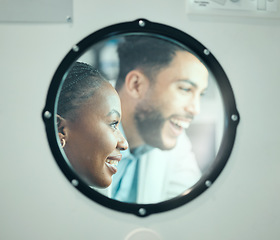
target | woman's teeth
[
  {"x": 180, "y": 123},
  {"x": 112, "y": 162}
]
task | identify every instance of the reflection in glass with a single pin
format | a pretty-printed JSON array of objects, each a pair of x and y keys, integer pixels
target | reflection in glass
[{"x": 174, "y": 133}]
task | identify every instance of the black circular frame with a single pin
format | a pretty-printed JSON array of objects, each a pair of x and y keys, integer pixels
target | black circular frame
[{"x": 231, "y": 115}]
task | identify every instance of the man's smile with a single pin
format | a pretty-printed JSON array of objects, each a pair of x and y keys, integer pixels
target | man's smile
[
  {"x": 177, "y": 124},
  {"x": 181, "y": 122}
]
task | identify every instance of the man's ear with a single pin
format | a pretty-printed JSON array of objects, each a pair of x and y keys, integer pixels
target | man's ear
[
  {"x": 61, "y": 127},
  {"x": 136, "y": 84}
]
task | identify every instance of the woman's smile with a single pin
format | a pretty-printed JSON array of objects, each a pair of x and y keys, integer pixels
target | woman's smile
[{"x": 112, "y": 162}]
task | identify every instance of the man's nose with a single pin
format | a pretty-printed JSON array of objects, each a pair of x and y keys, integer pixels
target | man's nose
[
  {"x": 193, "y": 106},
  {"x": 122, "y": 143}
]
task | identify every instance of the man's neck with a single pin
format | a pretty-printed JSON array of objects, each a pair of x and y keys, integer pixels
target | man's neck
[{"x": 132, "y": 135}]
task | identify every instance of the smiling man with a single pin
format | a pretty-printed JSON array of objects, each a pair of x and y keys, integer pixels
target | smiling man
[{"x": 160, "y": 85}]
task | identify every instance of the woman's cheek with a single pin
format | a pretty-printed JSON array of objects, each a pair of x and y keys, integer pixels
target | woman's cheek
[{"x": 109, "y": 141}]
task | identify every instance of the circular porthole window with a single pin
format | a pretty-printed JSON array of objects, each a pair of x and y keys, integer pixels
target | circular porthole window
[{"x": 140, "y": 117}]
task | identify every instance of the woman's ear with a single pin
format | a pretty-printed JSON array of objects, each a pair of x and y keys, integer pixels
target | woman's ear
[
  {"x": 60, "y": 123},
  {"x": 61, "y": 128},
  {"x": 136, "y": 84}
]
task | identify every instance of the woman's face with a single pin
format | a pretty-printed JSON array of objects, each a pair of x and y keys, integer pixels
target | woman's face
[{"x": 93, "y": 141}]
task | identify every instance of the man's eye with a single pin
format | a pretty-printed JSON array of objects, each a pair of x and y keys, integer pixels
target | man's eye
[
  {"x": 202, "y": 94},
  {"x": 185, "y": 89}
]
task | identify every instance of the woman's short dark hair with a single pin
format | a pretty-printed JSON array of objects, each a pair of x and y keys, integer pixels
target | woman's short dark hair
[
  {"x": 146, "y": 53},
  {"x": 80, "y": 84}
]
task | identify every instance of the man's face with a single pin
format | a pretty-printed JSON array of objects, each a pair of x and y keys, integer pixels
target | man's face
[{"x": 172, "y": 101}]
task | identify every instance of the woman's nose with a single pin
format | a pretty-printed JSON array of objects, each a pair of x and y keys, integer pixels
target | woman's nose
[{"x": 122, "y": 143}]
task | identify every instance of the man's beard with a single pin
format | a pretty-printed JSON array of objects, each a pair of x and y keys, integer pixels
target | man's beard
[{"x": 150, "y": 121}]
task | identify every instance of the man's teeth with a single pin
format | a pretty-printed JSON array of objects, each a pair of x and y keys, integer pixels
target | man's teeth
[
  {"x": 179, "y": 123},
  {"x": 112, "y": 162}
]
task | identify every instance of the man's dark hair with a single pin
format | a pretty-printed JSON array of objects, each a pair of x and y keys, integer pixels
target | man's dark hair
[
  {"x": 79, "y": 85},
  {"x": 146, "y": 53}
]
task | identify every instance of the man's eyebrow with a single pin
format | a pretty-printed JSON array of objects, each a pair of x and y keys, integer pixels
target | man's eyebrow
[
  {"x": 114, "y": 112},
  {"x": 188, "y": 81}
]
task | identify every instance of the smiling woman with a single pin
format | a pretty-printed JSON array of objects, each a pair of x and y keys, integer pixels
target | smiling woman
[{"x": 88, "y": 116}]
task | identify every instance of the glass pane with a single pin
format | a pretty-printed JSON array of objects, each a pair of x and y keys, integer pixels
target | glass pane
[{"x": 171, "y": 114}]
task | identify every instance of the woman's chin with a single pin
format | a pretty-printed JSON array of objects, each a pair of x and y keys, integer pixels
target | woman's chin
[
  {"x": 105, "y": 183},
  {"x": 102, "y": 183}
]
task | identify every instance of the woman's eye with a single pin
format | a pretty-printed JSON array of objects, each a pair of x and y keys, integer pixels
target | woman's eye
[{"x": 114, "y": 125}]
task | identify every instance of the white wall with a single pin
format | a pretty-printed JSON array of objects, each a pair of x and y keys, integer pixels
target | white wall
[{"x": 37, "y": 202}]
